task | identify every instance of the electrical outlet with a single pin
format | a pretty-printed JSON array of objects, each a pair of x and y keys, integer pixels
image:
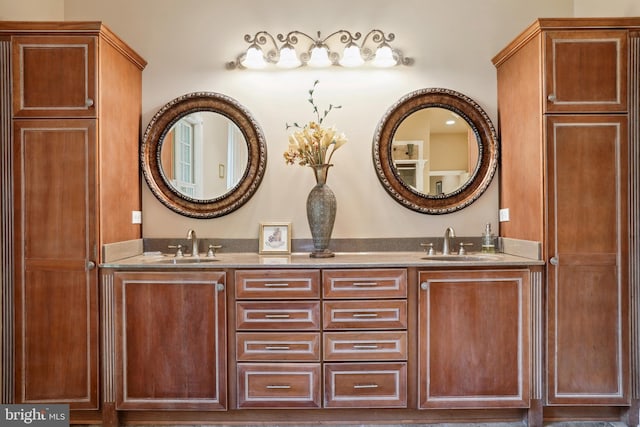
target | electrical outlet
[
  {"x": 136, "y": 217},
  {"x": 504, "y": 215}
]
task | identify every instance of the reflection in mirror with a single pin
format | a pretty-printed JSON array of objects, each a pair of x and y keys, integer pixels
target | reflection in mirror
[
  {"x": 435, "y": 151},
  {"x": 428, "y": 165},
  {"x": 203, "y": 155}
]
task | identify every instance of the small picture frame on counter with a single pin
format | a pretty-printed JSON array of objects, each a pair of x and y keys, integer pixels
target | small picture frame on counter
[{"x": 275, "y": 238}]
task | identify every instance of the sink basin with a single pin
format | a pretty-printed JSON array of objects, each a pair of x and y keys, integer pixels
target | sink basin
[{"x": 462, "y": 258}]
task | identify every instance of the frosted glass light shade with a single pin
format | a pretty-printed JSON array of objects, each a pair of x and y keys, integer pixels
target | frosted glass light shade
[
  {"x": 351, "y": 57},
  {"x": 288, "y": 58},
  {"x": 384, "y": 57},
  {"x": 254, "y": 58},
  {"x": 319, "y": 57}
]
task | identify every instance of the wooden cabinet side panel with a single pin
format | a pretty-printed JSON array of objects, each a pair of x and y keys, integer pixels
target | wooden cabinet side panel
[
  {"x": 171, "y": 341},
  {"x": 521, "y": 143},
  {"x": 120, "y": 95}
]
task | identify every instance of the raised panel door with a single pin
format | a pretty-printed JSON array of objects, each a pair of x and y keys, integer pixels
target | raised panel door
[
  {"x": 587, "y": 274},
  {"x": 56, "y": 303},
  {"x": 54, "y": 76},
  {"x": 473, "y": 337},
  {"x": 585, "y": 71}
]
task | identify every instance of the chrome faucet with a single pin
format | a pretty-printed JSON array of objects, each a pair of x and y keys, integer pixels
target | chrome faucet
[
  {"x": 191, "y": 235},
  {"x": 448, "y": 234}
]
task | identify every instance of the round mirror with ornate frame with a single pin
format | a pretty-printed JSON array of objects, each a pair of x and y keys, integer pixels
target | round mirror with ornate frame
[
  {"x": 178, "y": 161},
  {"x": 405, "y": 159}
]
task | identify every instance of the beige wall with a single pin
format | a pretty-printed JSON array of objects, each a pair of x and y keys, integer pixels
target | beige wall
[{"x": 187, "y": 43}]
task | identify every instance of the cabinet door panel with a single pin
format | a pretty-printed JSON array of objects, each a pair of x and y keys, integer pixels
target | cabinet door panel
[
  {"x": 55, "y": 244},
  {"x": 171, "y": 351},
  {"x": 586, "y": 71},
  {"x": 474, "y": 339},
  {"x": 54, "y": 76},
  {"x": 587, "y": 278}
]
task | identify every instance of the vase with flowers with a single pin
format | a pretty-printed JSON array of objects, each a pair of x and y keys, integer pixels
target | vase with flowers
[{"x": 313, "y": 145}]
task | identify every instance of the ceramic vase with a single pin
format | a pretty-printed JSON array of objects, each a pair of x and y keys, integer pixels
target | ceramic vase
[{"x": 321, "y": 212}]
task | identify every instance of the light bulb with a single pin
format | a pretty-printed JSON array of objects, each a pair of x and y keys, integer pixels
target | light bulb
[
  {"x": 351, "y": 56},
  {"x": 319, "y": 57},
  {"x": 288, "y": 58},
  {"x": 254, "y": 58},
  {"x": 384, "y": 57}
]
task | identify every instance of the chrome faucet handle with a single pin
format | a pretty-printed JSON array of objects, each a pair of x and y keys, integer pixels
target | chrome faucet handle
[
  {"x": 212, "y": 250},
  {"x": 430, "y": 251},
  {"x": 178, "y": 249},
  {"x": 462, "y": 250}
]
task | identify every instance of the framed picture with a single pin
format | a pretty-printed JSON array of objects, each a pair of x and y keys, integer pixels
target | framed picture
[{"x": 275, "y": 238}]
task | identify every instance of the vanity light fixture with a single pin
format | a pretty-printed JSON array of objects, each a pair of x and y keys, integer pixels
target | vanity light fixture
[{"x": 296, "y": 49}]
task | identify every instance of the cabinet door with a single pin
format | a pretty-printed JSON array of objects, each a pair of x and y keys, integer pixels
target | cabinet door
[
  {"x": 170, "y": 340},
  {"x": 586, "y": 71},
  {"x": 54, "y": 76},
  {"x": 474, "y": 339},
  {"x": 56, "y": 304},
  {"x": 587, "y": 275}
]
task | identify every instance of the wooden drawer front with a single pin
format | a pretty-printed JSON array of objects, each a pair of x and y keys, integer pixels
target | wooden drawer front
[
  {"x": 365, "y": 346},
  {"x": 278, "y": 315},
  {"x": 274, "y": 346},
  {"x": 382, "y": 283},
  {"x": 365, "y": 385},
  {"x": 277, "y": 284},
  {"x": 272, "y": 385},
  {"x": 389, "y": 314}
]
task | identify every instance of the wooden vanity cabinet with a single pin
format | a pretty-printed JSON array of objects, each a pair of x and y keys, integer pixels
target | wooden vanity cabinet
[
  {"x": 568, "y": 101},
  {"x": 277, "y": 322},
  {"x": 72, "y": 155},
  {"x": 170, "y": 340},
  {"x": 473, "y": 339}
]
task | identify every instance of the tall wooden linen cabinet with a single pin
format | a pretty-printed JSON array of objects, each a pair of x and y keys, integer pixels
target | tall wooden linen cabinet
[
  {"x": 568, "y": 100},
  {"x": 70, "y": 112}
]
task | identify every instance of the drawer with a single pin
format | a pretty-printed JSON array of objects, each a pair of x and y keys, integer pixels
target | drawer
[
  {"x": 275, "y": 346},
  {"x": 365, "y": 385},
  {"x": 277, "y": 284},
  {"x": 387, "y": 314},
  {"x": 365, "y": 283},
  {"x": 278, "y": 385},
  {"x": 278, "y": 315},
  {"x": 365, "y": 346}
]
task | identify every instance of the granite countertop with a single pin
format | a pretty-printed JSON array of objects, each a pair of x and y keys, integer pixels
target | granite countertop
[{"x": 156, "y": 260}]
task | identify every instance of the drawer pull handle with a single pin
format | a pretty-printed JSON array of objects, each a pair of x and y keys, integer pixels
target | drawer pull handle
[
  {"x": 277, "y": 347},
  {"x": 359, "y": 386},
  {"x": 277, "y": 316},
  {"x": 365, "y": 346},
  {"x": 276, "y": 285},
  {"x": 278, "y": 387},
  {"x": 360, "y": 315},
  {"x": 369, "y": 284}
]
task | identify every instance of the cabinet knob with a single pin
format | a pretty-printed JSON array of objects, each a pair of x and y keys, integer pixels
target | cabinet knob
[
  {"x": 88, "y": 103},
  {"x": 553, "y": 261},
  {"x": 424, "y": 286},
  {"x": 552, "y": 97},
  {"x": 220, "y": 287},
  {"x": 90, "y": 265}
]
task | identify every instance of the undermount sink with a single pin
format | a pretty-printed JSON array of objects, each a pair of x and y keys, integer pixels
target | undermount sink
[
  {"x": 462, "y": 258},
  {"x": 185, "y": 260}
]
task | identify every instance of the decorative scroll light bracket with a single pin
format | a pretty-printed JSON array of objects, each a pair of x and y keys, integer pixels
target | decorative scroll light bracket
[{"x": 340, "y": 48}]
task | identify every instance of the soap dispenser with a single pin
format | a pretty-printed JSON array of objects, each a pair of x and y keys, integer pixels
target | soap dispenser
[{"x": 488, "y": 245}]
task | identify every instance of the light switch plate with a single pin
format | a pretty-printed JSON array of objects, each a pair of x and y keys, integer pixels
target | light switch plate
[
  {"x": 136, "y": 217},
  {"x": 504, "y": 215}
]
